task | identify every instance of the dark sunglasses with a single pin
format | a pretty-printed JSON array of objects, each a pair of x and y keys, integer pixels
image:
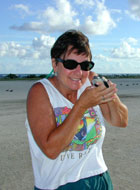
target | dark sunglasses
[{"x": 72, "y": 64}]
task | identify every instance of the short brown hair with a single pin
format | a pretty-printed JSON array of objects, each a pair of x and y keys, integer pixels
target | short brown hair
[{"x": 76, "y": 39}]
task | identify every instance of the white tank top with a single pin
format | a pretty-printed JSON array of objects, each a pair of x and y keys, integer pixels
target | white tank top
[{"x": 82, "y": 158}]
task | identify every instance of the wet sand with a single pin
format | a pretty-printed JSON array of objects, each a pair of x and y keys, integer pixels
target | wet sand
[{"x": 121, "y": 146}]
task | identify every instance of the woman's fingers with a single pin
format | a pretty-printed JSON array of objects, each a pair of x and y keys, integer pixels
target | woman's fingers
[
  {"x": 106, "y": 94},
  {"x": 93, "y": 96},
  {"x": 105, "y": 99}
]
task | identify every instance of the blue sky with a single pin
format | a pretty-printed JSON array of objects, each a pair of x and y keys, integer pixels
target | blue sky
[{"x": 28, "y": 29}]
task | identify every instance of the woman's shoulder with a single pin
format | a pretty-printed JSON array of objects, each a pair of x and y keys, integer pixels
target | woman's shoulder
[{"x": 37, "y": 90}]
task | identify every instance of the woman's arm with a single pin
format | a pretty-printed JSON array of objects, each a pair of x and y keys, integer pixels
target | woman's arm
[
  {"x": 114, "y": 111},
  {"x": 51, "y": 139}
]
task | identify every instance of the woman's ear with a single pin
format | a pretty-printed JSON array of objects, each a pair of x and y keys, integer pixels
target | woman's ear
[{"x": 54, "y": 65}]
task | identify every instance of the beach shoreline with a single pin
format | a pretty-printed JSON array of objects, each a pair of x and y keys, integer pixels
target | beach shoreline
[{"x": 120, "y": 149}]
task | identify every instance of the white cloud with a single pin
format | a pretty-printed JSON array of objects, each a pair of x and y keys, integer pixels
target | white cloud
[
  {"x": 42, "y": 46},
  {"x": 102, "y": 25},
  {"x": 134, "y": 11},
  {"x": 85, "y": 2},
  {"x": 43, "y": 42},
  {"x": 133, "y": 41},
  {"x": 105, "y": 64},
  {"x": 39, "y": 49},
  {"x": 22, "y": 9},
  {"x": 64, "y": 17},
  {"x": 103, "y": 58},
  {"x": 126, "y": 50},
  {"x": 3, "y": 49},
  {"x": 52, "y": 19},
  {"x": 130, "y": 40},
  {"x": 32, "y": 58},
  {"x": 32, "y": 26},
  {"x": 25, "y": 66},
  {"x": 123, "y": 59},
  {"x": 12, "y": 49},
  {"x": 118, "y": 11},
  {"x": 61, "y": 17}
]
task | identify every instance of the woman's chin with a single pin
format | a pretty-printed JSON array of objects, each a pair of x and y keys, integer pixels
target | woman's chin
[{"x": 75, "y": 86}]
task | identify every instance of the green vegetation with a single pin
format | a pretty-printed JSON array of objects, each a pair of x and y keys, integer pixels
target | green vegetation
[
  {"x": 114, "y": 76},
  {"x": 34, "y": 76},
  {"x": 37, "y": 77},
  {"x": 22, "y": 77},
  {"x": 11, "y": 76}
]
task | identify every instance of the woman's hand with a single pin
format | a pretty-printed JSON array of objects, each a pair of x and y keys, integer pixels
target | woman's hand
[{"x": 93, "y": 96}]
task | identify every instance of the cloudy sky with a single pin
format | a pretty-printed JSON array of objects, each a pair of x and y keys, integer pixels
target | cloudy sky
[{"x": 28, "y": 29}]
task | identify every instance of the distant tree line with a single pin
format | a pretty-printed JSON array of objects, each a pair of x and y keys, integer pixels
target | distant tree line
[
  {"x": 28, "y": 76},
  {"x": 35, "y": 76},
  {"x": 11, "y": 76},
  {"x": 113, "y": 76}
]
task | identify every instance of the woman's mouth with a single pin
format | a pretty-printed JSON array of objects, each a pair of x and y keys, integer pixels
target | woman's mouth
[{"x": 76, "y": 79}]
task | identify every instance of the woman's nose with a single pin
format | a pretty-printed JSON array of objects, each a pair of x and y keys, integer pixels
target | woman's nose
[
  {"x": 78, "y": 68},
  {"x": 78, "y": 71}
]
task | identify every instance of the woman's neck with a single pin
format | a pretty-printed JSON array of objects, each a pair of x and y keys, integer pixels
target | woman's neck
[{"x": 69, "y": 94}]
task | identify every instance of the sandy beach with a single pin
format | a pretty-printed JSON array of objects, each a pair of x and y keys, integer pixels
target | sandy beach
[{"x": 121, "y": 147}]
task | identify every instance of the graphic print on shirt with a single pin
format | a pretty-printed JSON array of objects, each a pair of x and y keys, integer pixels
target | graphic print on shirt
[{"x": 89, "y": 130}]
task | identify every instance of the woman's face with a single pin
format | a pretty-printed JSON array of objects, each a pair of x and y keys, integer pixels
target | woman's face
[{"x": 72, "y": 79}]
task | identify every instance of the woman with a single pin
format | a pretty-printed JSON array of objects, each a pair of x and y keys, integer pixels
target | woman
[{"x": 65, "y": 120}]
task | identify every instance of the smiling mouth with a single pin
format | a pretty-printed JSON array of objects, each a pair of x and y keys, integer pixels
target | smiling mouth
[{"x": 76, "y": 79}]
